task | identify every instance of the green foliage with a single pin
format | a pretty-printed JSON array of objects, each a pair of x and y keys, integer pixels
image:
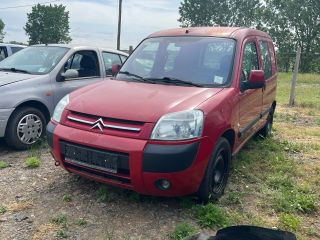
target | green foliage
[
  {"x": 219, "y": 12},
  {"x": 3, "y": 165},
  {"x": 81, "y": 222},
  {"x": 32, "y": 162},
  {"x": 290, "y": 23},
  {"x": 67, "y": 198},
  {"x": 289, "y": 222},
  {"x": 3, "y": 209},
  {"x": 183, "y": 230},
  {"x": 210, "y": 216},
  {"x": 2, "y": 33},
  {"x": 48, "y": 24},
  {"x": 60, "y": 219},
  {"x": 103, "y": 195},
  {"x": 62, "y": 233}
]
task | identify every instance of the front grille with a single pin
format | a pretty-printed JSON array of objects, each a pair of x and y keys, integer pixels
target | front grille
[
  {"x": 102, "y": 124},
  {"x": 96, "y": 159},
  {"x": 94, "y": 173}
]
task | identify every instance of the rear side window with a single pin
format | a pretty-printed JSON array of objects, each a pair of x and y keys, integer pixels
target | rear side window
[
  {"x": 266, "y": 59},
  {"x": 3, "y": 53},
  {"x": 109, "y": 59},
  {"x": 15, "y": 49},
  {"x": 250, "y": 61}
]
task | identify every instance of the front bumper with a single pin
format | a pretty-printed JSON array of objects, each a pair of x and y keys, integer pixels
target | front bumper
[
  {"x": 181, "y": 163},
  {"x": 4, "y": 118}
]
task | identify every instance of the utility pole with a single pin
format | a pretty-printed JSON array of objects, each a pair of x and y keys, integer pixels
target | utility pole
[
  {"x": 119, "y": 24},
  {"x": 294, "y": 78}
]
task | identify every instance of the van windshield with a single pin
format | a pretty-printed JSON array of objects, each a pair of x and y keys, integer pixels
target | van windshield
[
  {"x": 193, "y": 61},
  {"x": 34, "y": 60}
]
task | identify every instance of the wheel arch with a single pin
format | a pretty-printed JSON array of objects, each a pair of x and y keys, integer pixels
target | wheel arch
[
  {"x": 230, "y": 135},
  {"x": 35, "y": 104}
]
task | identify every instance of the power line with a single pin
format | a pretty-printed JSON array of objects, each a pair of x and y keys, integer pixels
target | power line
[{"x": 29, "y": 5}]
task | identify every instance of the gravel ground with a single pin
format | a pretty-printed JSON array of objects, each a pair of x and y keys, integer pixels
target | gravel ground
[{"x": 32, "y": 197}]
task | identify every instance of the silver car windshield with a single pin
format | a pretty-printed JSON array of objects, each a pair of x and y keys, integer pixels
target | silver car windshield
[
  {"x": 193, "y": 61},
  {"x": 34, "y": 60}
]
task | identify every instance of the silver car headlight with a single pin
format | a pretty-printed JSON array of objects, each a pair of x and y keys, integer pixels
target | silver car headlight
[
  {"x": 179, "y": 126},
  {"x": 59, "y": 108}
]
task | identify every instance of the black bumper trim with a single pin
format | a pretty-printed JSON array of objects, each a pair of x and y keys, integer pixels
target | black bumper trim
[
  {"x": 49, "y": 133},
  {"x": 168, "y": 158}
]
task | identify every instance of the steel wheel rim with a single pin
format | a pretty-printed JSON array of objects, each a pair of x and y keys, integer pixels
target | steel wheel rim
[
  {"x": 29, "y": 129},
  {"x": 219, "y": 173}
]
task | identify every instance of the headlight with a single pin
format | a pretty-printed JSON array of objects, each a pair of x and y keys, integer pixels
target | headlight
[
  {"x": 59, "y": 108},
  {"x": 179, "y": 126}
]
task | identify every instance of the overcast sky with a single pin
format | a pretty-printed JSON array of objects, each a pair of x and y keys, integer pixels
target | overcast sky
[{"x": 94, "y": 22}]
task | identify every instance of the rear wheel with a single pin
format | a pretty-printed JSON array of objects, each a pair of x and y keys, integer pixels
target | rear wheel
[
  {"x": 267, "y": 129},
  {"x": 217, "y": 173},
  {"x": 25, "y": 127}
]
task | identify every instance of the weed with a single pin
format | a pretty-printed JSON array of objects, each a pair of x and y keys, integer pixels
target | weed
[
  {"x": 81, "y": 222},
  {"x": 233, "y": 198},
  {"x": 3, "y": 165},
  {"x": 62, "y": 233},
  {"x": 60, "y": 219},
  {"x": 103, "y": 195},
  {"x": 135, "y": 197},
  {"x": 32, "y": 162},
  {"x": 210, "y": 216},
  {"x": 183, "y": 230},
  {"x": 67, "y": 198},
  {"x": 289, "y": 222},
  {"x": 3, "y": 209},
  {"x": 318, "y": 121}
]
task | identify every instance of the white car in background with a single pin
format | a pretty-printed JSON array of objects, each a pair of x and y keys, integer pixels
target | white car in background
[{"x": 7, "y": 49}]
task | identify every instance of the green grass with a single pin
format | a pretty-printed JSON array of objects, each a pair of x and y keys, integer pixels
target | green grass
[
  {"x": 62, "y": 233},
  {"x": 60, "y": 219},
  {"x": 289, "y": 222},
  {"x": 103, "y": 195},
  {"x": 307, "y": 92},
  {"x": 210, "y": 216},
  {"x": 3, "y": 209},
  {"x": 3, "y": 165},
  {"x": 67, "y": 198},
  {"x": 81, "y": 222},
  {"x": 182, "y": 231},
  {"x": 32, "y": 162}
]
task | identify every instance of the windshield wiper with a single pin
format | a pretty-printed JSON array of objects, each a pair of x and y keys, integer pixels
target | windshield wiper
[
  {"x": 174, "y": 81},
  {"x": 137, "y": 77},
  {"x": 14, "y": 70}
]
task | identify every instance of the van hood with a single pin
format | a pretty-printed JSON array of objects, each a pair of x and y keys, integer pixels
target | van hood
[
  {"x": 12, "y": 77},
  {"x": 137, "y": 101}
]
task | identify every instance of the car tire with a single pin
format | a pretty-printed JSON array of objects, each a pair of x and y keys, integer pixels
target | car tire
[
  {"x": 25, "y": 127},
  {"x": 217, "y": 173},
  {"x": 267, "y": 128}
]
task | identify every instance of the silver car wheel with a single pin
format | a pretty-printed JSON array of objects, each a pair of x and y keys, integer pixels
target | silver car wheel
[{"x": 29, "y": 129}]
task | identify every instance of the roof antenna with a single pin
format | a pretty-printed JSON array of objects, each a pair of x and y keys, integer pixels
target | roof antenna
[{"x": 187, "y": 30}]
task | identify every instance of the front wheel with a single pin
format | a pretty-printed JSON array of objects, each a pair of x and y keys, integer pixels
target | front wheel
[
  {"x": 25, "y": 127},
  {"x": 217, "y": 173}
]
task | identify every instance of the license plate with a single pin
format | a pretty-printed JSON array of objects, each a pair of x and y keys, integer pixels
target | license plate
[{"x": 91, "y": 158}]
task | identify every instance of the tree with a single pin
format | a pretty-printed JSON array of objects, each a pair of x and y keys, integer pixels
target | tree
[
  {"x": 290, "y": 23},
  {"x": 48, "y": 24},
  {"x": 243, "y": 13},
  {"x": 2, "y": 33}
]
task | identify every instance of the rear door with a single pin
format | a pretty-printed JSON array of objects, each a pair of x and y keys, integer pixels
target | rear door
[
  {"x": 86, "y": 62},
  {"x": 269, "y": 67},
  {"x": 250, "y": 104}
]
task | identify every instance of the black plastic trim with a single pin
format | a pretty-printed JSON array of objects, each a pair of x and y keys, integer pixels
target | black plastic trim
[
  {"x": 168, "y": 158},
  {"x": 49, "y": 133}
]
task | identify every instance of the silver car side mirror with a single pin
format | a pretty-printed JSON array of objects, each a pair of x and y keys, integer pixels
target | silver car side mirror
[{"x": 70, "y": 73}]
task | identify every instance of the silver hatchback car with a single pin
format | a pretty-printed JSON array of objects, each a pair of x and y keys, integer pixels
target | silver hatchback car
[{"x": 33, "y": 80}]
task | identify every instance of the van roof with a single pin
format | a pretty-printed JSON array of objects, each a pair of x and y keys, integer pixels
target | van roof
[{"x": 228, "y": 32}]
